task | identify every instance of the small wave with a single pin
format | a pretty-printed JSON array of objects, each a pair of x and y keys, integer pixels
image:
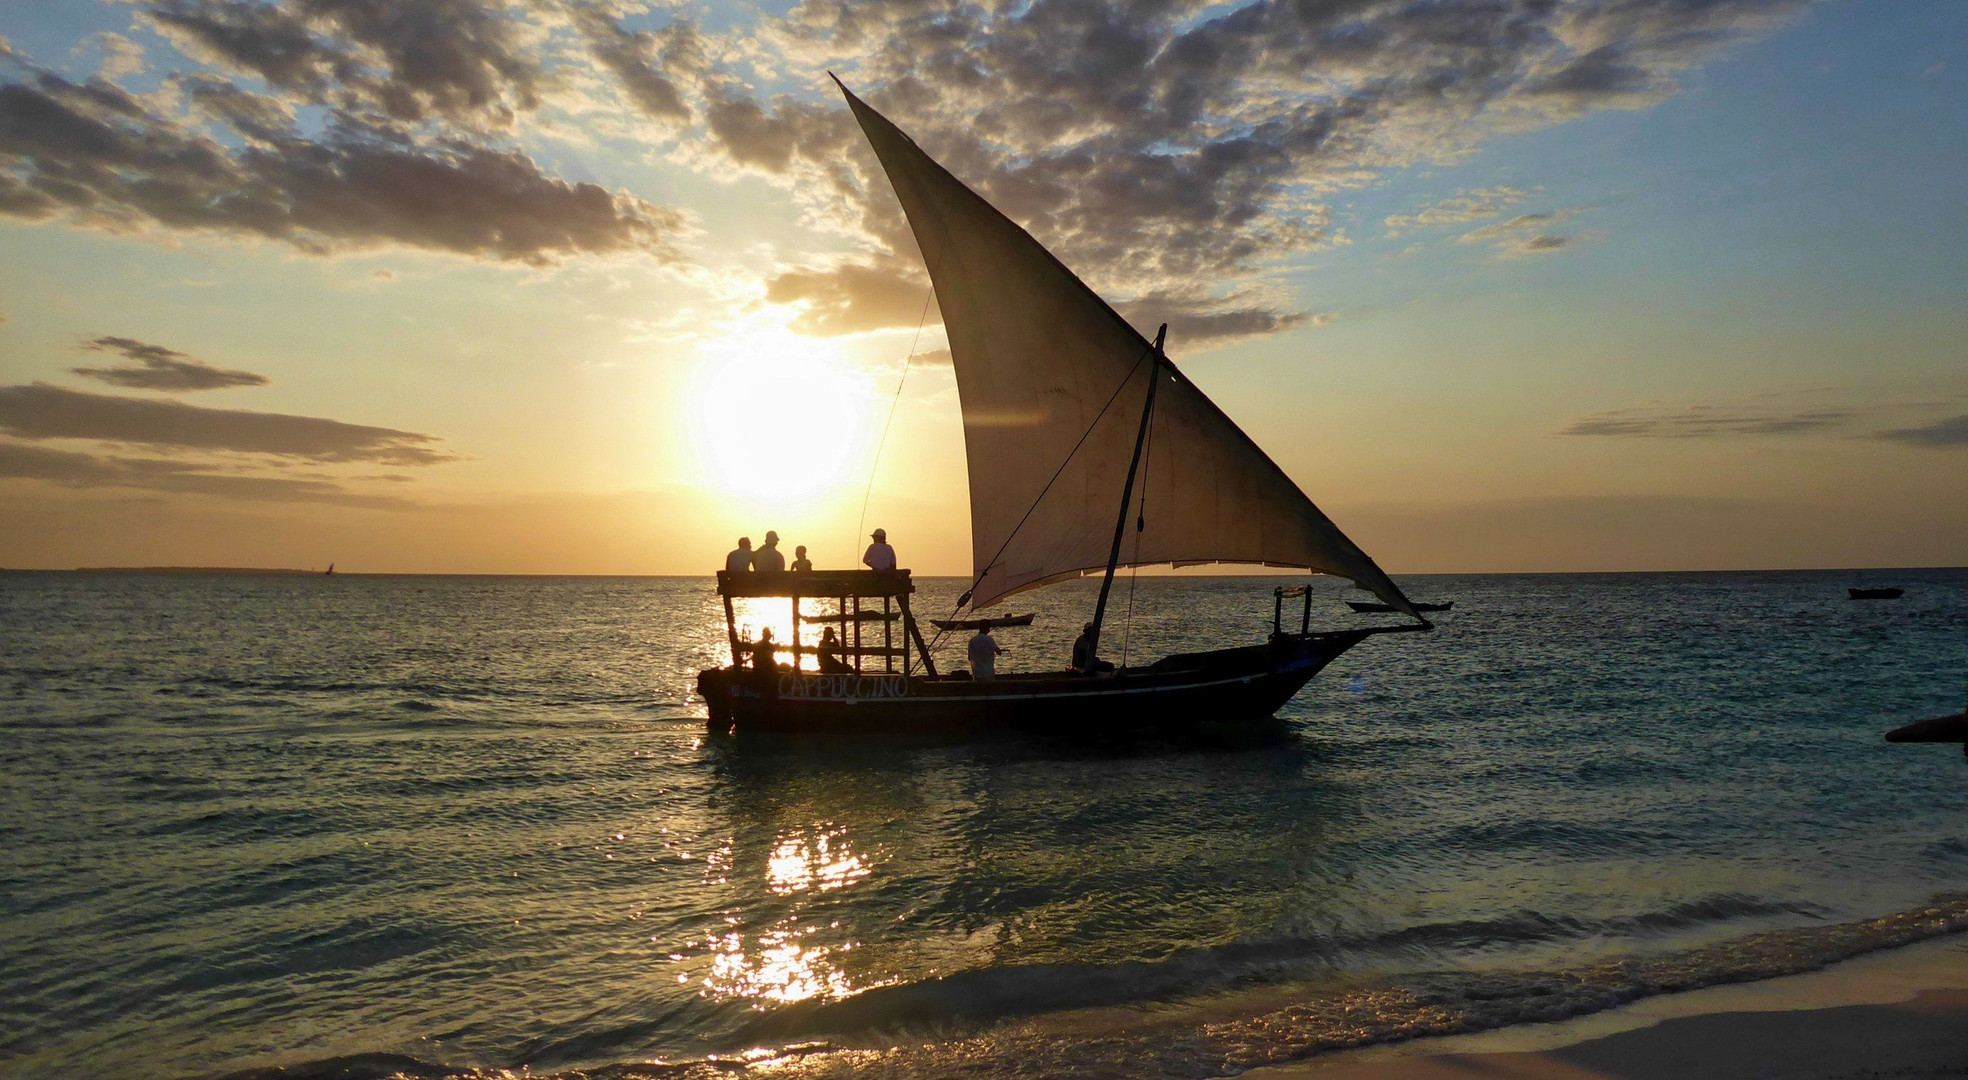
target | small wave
[
  {"x": 997, "y": 993},
  {"x": 1392, "y": 1010},
  {"x": 1216, "y": 1039},
  {"x": 414, "y": 705},
  {"x": 350, "y": 1067}
]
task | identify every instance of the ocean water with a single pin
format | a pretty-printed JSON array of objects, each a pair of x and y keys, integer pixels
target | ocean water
[{"x": 365, "y": 826}]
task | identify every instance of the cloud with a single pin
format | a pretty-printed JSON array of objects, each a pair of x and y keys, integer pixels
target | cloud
[
  {"x": 1463, "y": 207},
  {"x": 121, "y": 57},
  {"x": 1941, "y": 434},
  {"x": 79, "y": 470},
  {"x": 1156, "y": 145},
  {"x": 853, "y": 297},
  {"x": 162, "y": 369},
  {"x": 469, "y": 63},
  {"x": 639, "y": 60},
  {"x": 1703, "y": 421},
  {"x": 96, "y": 156},
  {"x": 1153, "y": 145},
  {"x": 1199, "y": 321},
  {"x": 42, "y": 411},
  {"x": 1524, "y": 234}
]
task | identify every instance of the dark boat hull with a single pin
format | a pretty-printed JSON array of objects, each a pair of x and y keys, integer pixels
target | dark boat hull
[
  {"x": 1876, "y": 594},
  {"x": 1187, "y": 692},
  {"x": 1939, "y": 729},
  {"x": 1366, "y": 607}
]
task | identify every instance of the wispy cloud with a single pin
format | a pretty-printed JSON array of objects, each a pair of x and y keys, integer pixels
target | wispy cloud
[
  {"x": 1459, "y": 209},
  {"x": 80, "y": 470},
  {"x": 160, "y": 368},
  {"x": 1700, "y": 421},
  {"x": 1823, "y": 412},
  {"x": 42, "y": 411},
  {"x": 1525, "y": 234},
  {"x": 1941, "y": 434}
]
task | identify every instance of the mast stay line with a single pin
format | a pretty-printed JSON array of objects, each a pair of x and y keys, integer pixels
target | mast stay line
[
  {"x": 1127, "y": 491},
  {"x": 1101, "y": 415}
]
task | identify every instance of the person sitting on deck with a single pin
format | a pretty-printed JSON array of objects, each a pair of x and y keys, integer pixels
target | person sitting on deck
[
  {"x": 879, "y": 555},
  {"x": 1084, "y": 661},
  {"x": 984, "y": 653},
  {"x": 768, "y": 556},
  {"x": 830, "y": 659},
  {"x": 763, "y": 660},
  {"x": 740, "y": 559},
  {"x": 801, "y": 564}
]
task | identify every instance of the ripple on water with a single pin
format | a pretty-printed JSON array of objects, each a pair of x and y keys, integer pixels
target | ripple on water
[{"x": 386, "y": 825}]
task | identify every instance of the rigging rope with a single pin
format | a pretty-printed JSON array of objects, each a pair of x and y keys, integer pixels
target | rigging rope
[
  {"x": 1111, "y": 398},
  {"x": 875, "y": 465}
]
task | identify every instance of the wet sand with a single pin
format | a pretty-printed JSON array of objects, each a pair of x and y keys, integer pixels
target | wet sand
[{"x": 1900, "y": 1014}]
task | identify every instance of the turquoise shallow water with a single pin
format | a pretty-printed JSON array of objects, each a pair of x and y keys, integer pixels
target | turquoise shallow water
[{"x": 364, "y": 825}]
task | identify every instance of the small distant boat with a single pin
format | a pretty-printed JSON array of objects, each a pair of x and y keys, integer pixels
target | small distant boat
[
  {"x": 1876, "y": 594},
  {"x": 1940, "y": 729},
  {"x": 982, "y": 624},
  {"x": 330, "y": 572},
  {"x": 1368, "y": 606}
]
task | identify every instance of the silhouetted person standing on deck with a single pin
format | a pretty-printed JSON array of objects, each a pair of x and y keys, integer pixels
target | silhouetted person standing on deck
[
  {"x": 768, "y": 556},
  {"x": 984, "y": 653},
  {"x": 879, "y": 555},
  {"x": 801, "y": 564},
  {"x": 740, "y": 559}
]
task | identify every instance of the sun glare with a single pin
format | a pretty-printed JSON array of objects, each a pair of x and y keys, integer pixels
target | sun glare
[{"x": 779, "y": 416}]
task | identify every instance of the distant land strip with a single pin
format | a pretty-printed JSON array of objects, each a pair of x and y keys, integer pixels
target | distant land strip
[{"x": 188, "y": 570}]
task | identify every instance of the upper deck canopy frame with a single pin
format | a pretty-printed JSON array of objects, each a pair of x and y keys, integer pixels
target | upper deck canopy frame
[{"x": 847, "y": 588}]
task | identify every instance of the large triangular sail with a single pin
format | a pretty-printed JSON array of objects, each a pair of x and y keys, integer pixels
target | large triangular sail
[{"x": 1047, "y": 374}]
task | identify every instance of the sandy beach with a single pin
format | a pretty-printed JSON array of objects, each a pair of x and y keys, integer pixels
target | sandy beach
[{"x": 1901, "y": 1013}]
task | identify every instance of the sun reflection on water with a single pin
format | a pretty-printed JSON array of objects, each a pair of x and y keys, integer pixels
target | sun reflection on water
[
  {"x": 820, "y": 863},
  {"x": 786, "y": 962},
  {"x": 778, "y": 966}
]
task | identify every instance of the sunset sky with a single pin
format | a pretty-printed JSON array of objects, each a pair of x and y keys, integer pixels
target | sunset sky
[{"x": 557, "y": 286}]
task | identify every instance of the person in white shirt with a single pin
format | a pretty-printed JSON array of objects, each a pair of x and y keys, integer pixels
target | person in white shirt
[
  {"x": 740, "y": 559},
  {"x": 984, "y": 653},
  {"x": 879, "y": 555},
  {"x": 768, "y": 556}
]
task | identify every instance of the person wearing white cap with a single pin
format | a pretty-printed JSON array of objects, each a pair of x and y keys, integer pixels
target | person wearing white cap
[
  {"x": 879, "y": 555},
  {"x": 768, "y": 556}
]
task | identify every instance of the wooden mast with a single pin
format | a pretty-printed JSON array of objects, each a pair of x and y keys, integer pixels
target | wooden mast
[{"x": 1127, "y": 492}]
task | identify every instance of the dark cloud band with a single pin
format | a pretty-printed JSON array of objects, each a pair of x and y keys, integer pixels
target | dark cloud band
[
  {"x": 97, "y": 156},
  {"x": 41, "y": 411},
  {"x": 78, "y": 470},
  {"x": 160, "y": 368}
]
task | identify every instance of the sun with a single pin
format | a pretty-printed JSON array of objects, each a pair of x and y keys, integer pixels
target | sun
[{"x": 778, "y": 416}]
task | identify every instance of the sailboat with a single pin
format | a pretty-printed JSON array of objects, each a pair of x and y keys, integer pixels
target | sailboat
[{"x": 1088, "y": 450}]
